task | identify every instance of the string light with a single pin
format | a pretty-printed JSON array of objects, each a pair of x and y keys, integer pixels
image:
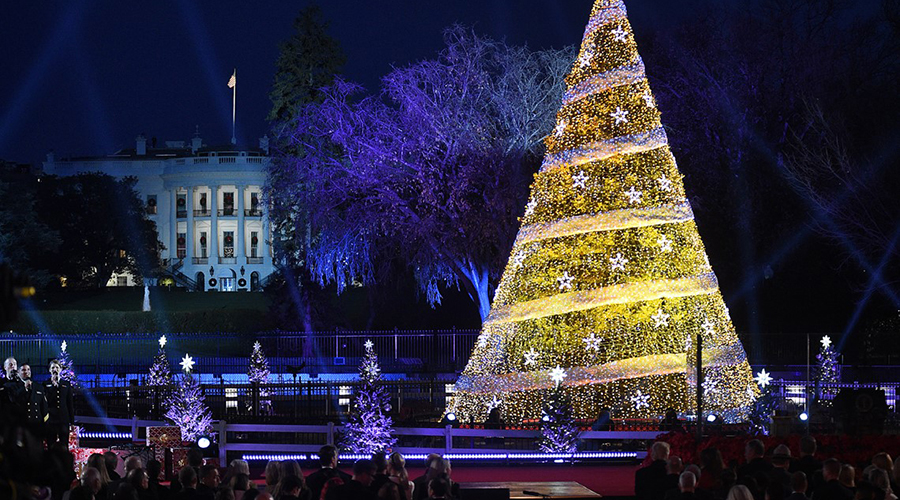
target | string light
[{"x": 612, "y": 252}]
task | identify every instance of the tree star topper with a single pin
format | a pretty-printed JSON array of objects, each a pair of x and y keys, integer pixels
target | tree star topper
[
  {"x": 187, "y": 363},
  {"x": 763, "y": 378},
  {"x": 369, "y": 344},
  {"x": 826, "y": 342},
  {"x": 162, "y": 342},
  {"x": 557, "y": 375},
  {"x": 63, "y": 346}
]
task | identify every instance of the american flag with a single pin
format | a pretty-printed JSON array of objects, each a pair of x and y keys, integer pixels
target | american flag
[{"x": 232, "y": 81}]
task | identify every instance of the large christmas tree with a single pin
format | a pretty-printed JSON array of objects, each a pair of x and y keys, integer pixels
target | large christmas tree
[
  {"x": 608, "y": 283},
  {"x": 369, "y": 429},
  {"x": 186, "y": 406}
]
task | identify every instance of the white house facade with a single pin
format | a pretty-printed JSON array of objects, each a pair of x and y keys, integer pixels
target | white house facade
[{"x": 207, "y": 205}]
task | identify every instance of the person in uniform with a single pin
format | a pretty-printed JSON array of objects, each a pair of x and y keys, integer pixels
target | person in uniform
[
  {"x": 60, "y": 406},
  {"x": 36, "y": 414},
  {"x": 13, "y": 392}
]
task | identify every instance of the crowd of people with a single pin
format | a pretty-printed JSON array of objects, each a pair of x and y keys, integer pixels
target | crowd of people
[
  {"x": 384, "y": 477},
  {"x": 46, "y": 409},
  {"x": 777, "y": 475}
]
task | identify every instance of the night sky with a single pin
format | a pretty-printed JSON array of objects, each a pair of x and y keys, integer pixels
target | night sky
[{"x": 85, "y": 78}]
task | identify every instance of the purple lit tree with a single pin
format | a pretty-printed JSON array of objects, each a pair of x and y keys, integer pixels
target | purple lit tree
[
  {"x": 559, "y": 431},
  {"x": 186, "y": 406},
  {"x": 369, "y": 429},
  {"x": 433, "y": 171},
  {"x": 67, "y": 370},
  {"x": 827, "y": 371},
  {"x": 159, "y": 370},
  {"x": 258, "y": 373}
]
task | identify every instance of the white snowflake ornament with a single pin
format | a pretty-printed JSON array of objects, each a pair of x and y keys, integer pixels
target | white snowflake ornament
[
  {"x": 619, "y": 115},
  {"x": 578, "y": 181},
  {"x": 640, "y": 400},
  {"x": 557, "y": 375},
  {"x": 665, "y": 244},
  {"x": 531, "y": 357},
  {"x": 565, "y": 281},
  {"x": 618, "y": 262},
  {"x": 660, "y": 319},
  {"x": 593, "y": 342}
]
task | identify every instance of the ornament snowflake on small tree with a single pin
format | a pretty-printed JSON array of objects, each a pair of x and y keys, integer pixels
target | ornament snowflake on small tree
[
  {"x": 67, "y": 372},
  {"x": 186, "y": 405},
  {"x": 369, "y": 429},
  {"x": 259, "y": 374},
  {"x": 159, "y": 370},
  {"x": 827, "y": 370},
  {"x": 559, "y": 432}
]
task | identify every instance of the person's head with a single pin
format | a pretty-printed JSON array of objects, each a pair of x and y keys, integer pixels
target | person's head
[
  {"x": 364, "y": 471},
  {"x": 754, "y": 449},
  {"x": 739, "y": 492},
  {"x": 153, "y": 469},
  {"x": 112, "y": 460},
  {"x": 430, "y": 458},
  {"x": 328, "y": 456},
  {"x": 90, "y": 479},
  {"x": 380, "y": 460},
  {"x": 781, "y": 457},
  {"x": 240, "y": 482},
  {"x": 55, "y": 368},
  {"x": 133, "y": 462},
  {"x": 799, "y": 482},
  {"x": 272, "y": 473},
  {"x": 97, "y": 461},
  {"x": 693, "y": 469},
  {"x": 880, "y": 479},
  {"x": 240, "y": 467},
  {"x": 674, "y": 465},
  {"x": 11, "y": 367},
  {"x": 808, "y": 446},
  {"x": 25, "y": 371},
  {"x": 711, "y": 459},
  {"x": 187, "y": 476},
  {"x": 831, "y": 469},
  {"x": 866, "y": 491},
  {"x": 659, "y": 451},
  {"x": 397, "y": 464},
  {"x": 289, "y": 468},
  {"x": 209, "y": 476},
  {"x": 138, "y": 479},
  {"x": 438, "y": 468},
  {"x": 883, "y": 461},
  {"x": 847, "y": 476},
  {"x": 195, "y": 457},
  {"x": 439, "y": 487},
  {"x": 687, "y": 481},
  {"x": 291, "y": 485}
]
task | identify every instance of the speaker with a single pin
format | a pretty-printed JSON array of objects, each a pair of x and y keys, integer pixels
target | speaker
[
  {"x": 484, "y": 494},
  {"x": 860, "y": 411}
]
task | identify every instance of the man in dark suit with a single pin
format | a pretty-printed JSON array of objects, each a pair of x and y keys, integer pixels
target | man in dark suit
[
  {"x": 187, "y": 477},
  {"x": 328, "y": 458},
  {"x": 798, "y": 486},
  {"x": 832, "y": 489},
  {"x": 60, "y": 404},
  {"x": 13, "y": 403},
  {"x": 209, "y": 481},
  {"x": 36, "y": 414},
  {"x": 807, "y": 462},
  {"x": 650, "y": 482},
  {"x": 754, "y": 452},
  {"x": 358, "y": 488}
]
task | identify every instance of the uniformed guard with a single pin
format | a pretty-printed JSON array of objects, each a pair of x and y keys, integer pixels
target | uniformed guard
[
  {"x": 60, "y": 406},
  {"x": 36, "y": 414}
]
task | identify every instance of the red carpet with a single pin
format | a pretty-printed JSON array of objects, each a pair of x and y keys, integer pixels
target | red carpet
[{"x": 607, "y": 480}]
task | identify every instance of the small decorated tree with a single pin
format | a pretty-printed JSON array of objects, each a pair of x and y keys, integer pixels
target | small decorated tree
[
  {"x": 259, "y": 374},
  {"x": 186, "y": 405},
  {"x": 559, "y": 432},
  {"x": 764, "y": 406},
  {"x": 67, "y": 371},
  {"x": 369, "y": 429},
  {"x": 827, "y": 370},
  {"x": 159, "y": 370}
]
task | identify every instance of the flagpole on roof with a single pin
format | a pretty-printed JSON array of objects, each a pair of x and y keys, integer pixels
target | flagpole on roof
[{"x": 233, "y": 84}]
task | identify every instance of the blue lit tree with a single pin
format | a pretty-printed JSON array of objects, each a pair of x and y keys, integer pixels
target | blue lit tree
[
  {"x": 67, "y": 370},
  {"x": 827, "y": 370},
  {"x": 369, "y": 429},
  {"x": 559, "y": 431},
  {"x": 258, "y": 373},
  {"x": 186, "y": 406},
  {"x": 159, "y": 370}
]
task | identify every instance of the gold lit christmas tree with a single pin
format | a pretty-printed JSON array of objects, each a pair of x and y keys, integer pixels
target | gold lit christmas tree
[{"x": 608, "y": 284}]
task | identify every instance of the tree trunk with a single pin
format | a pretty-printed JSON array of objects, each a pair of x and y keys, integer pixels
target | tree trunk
[{"x": 475, "y": 280}]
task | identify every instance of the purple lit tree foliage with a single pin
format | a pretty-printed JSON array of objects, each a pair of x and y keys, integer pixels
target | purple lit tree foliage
[
  {"x": 369, "y": 429},
  {"x": 258, "y": 373},
  {"x": 559, "y": 431},
  {"x": 159, "y": 370},
  {"x": 67, "y": 370},
  {"x": 187, "y": 406},
  {"x": 433, "y": 171}
]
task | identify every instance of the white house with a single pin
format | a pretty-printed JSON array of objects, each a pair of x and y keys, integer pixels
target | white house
[{"x": 206, "y": 202}]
